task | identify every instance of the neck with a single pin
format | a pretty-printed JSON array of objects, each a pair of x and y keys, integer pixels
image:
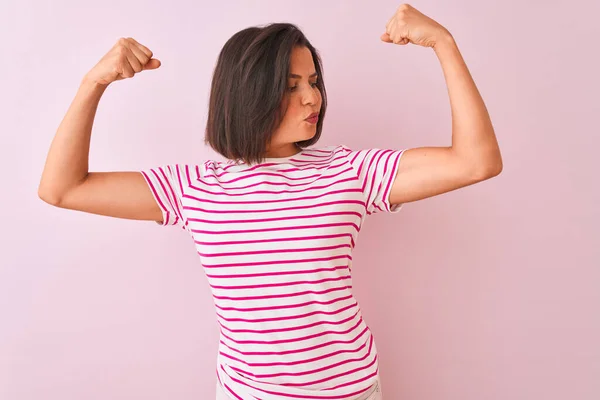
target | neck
[{"x": 284, "y": 151}]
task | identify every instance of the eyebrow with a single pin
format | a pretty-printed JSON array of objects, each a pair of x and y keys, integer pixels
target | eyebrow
[{"x": 300, "y": 76}]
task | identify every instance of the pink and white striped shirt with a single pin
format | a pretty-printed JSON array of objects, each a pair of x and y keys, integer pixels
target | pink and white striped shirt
[{"x": 275, "y": 240}]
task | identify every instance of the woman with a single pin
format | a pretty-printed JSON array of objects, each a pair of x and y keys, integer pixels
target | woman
[{"x": 275, "y": 225}]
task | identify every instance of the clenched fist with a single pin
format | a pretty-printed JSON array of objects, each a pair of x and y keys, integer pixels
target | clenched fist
[
  {"x": 126, "y": 58},
  {"x": 409, "y": 25}
]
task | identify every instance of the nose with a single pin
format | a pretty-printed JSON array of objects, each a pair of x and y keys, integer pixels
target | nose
[{"x": 310, "y": 96}]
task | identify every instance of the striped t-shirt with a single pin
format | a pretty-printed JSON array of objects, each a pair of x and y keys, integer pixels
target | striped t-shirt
[{"x": 275, "y": 240}]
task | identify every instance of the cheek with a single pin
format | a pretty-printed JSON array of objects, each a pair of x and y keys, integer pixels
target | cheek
[{"x": 293, "y": 113}]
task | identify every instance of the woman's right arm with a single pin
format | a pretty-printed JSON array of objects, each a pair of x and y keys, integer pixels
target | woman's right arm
[{"x": 66, "y": 181}]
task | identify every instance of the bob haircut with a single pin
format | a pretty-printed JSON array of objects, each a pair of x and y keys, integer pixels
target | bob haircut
[{"x": 248, "y": 97}]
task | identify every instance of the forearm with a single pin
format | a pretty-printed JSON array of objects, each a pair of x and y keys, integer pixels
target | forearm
[
  {"x": 473, "y": 137},
  {"x": 67, "y": 160}
]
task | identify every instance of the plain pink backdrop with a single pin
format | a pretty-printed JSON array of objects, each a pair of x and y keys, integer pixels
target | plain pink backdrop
[{"x": 490, "y": 292}]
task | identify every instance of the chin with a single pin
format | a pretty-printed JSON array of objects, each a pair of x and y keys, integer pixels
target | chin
[{"x": 307, "y": 136}]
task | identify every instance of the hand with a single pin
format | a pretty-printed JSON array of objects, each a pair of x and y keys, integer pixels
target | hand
[
  {"x": 408, "y": 25},
  {"x": 124, "y": 60}
]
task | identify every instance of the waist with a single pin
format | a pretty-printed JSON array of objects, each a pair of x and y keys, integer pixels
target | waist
[{"x": 372, "y": 393}]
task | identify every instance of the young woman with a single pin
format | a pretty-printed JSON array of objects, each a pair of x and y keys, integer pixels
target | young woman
[{"x": 276, "y": 223}]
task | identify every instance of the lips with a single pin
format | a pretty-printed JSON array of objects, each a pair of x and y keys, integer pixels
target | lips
[{"x": 312, "y": 115}]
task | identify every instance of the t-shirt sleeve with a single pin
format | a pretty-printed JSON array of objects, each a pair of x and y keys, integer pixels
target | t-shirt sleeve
[
  {"x": 376, "y": 170},
  {"x": 165, "y": 183}
]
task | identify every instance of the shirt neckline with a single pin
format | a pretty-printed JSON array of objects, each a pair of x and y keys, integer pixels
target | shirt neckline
[
  {"x": 281, "y": 159},
  {"x": 269, "y": 160}
]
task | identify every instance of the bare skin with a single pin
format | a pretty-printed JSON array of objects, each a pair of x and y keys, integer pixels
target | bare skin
[
  {"x": 304, "y": 98},
  {"x": 474, "y": 155},
  {"x": 423, "y": 172},
  {"x": 66, "y": 181}
]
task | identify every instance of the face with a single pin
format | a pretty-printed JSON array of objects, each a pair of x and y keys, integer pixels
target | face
[{"x": 303, "y": 99}]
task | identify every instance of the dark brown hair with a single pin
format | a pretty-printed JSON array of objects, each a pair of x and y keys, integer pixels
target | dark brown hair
[{"x": 248, "y": 96}]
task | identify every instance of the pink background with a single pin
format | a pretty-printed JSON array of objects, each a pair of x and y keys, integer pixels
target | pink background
[{"x": 490, "y": 292}]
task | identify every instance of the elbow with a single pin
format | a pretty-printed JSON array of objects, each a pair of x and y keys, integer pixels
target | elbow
[
  {"x": 486, "y": 164},
  {"x": 489, "y": 169},
  {"x": 55, "y": 193},
  {"x": 496, "y": 166},
  {"x": 48, "y": 196},
  {"x": 482, "y": 164}
]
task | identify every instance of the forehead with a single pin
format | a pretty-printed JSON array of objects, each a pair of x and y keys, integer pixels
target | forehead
[{"x": 301, "y": 62}]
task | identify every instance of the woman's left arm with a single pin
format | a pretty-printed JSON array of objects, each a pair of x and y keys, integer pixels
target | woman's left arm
[{"x": 474, "y": 155}]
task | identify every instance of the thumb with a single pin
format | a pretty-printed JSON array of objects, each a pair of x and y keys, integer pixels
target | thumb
[
  {"x": 386, "y": 38},
  {"x": 152, "y": 64}
]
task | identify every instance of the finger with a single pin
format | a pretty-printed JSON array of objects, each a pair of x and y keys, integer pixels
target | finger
[
  {"x": 392, "y": 28},
  {"x": 393, "y": 31},
  {"x": 127, "y": 71},
  {"x": 397, "y": 36},
  {"x": 387, "y": 26},
  {"x": 144, "y": 49},
  {"x": 153, "y": 64},
  {"x": 131, "y": 65},
  {"x": 134, "y": 62},
  {"x": 139, "y": 54},
  {"x": 386, "y": 38},
  {"x": 144, "y": 55}
]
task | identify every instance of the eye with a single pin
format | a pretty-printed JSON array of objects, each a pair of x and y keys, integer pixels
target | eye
[{"x": 291, "y": 89}]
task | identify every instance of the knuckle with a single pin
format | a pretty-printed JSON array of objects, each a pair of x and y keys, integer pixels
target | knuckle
[{"x": 120, "y": 51}]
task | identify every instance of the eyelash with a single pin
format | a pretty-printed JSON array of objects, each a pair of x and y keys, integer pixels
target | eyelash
[{"x": 294, "y": 87}]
